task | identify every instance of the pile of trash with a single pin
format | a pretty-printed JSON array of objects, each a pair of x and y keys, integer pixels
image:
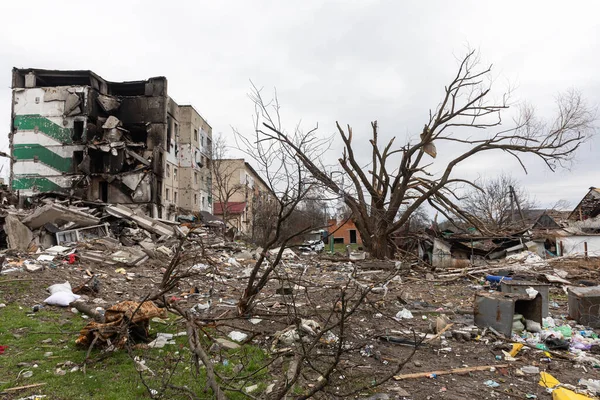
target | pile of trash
[{"x": 560, "y": 334}]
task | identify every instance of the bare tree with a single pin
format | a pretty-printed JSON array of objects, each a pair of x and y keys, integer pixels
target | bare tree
[
  {"x": 467, "y": 122},
  {"x": 499, "y": 204},
  {"x": 290, "y": 184},
  {"x": 225, "y": 180}
]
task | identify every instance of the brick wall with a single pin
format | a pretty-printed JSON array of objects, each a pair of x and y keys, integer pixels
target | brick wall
[{"x": 343, "y": 231}]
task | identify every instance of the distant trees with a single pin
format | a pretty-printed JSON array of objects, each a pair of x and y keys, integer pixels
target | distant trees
[
  {"x": 468, "y": 121},
  {"x": 498, "y": 203}
]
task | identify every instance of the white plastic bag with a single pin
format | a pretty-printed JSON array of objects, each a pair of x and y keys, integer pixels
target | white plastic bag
[
  {"x": 62, "y": 299},
  {"x": 60, "y": 287},
  {"x": 404, "y": 314}
]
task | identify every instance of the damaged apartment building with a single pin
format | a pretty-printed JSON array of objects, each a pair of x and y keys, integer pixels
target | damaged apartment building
[{"x": 113, "y": 142}]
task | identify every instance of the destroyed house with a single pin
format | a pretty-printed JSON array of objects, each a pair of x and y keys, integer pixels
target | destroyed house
[
  {"x": 588, "y": 207},
  {"x": 115, "y": 142}
]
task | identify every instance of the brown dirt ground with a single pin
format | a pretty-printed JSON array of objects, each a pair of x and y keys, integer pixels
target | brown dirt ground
[{"x": 424, "y": 297}]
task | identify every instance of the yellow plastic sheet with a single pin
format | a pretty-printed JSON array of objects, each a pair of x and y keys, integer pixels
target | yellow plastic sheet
[
  {"x": 548, "y": 381},
  {"x": 566, "y": 394},
  {"x": 516, "y": 347}
]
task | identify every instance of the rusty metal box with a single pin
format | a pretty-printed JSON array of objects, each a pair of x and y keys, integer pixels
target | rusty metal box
[
  {"x": 520, "y": 287},
  {"x": 584, "y": 305},
  {"x": 497, "y": 309}
]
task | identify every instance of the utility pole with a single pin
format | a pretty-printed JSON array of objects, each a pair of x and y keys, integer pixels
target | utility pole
[{"x": 514, "y": 199}]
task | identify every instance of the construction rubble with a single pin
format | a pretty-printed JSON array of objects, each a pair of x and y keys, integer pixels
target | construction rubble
[{"x": 511, "y": 328}]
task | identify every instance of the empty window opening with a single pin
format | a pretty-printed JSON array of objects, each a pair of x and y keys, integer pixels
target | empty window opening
[
  {"x": 169, "y": 133},
  {"x": 96, "y": 160},
  {"x": 77, "y": 130},
  {"x": 167, "y": 194},
  {"x": 352, "y": 236},
  {"x": 77, "y": 159},
  {"x": 137, "y": 132},
  {"x": 174, "y": 197},
  {"x": 127, "y": 88},
  {"x": 196, "y": 135},
  {"x": 104, "y": 192}
]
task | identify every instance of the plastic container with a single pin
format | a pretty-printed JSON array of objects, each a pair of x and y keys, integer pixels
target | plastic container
[{"x": 497, "y": 278}]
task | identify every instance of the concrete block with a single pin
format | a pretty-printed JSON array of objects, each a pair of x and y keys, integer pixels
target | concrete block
[
  {"x": 496, "y": 310},
  {"x": 584, "y": 305},
  {"x": 18, "y": 235},
  {"x": 520, "y": 287},
  {"x": 30, "y": 80}
]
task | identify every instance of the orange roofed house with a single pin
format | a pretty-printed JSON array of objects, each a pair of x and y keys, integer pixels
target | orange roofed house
[{"x": 344, "y": 231}]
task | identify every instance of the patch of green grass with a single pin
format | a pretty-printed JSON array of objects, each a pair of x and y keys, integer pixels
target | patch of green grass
[{"x": 108, "y": 376}]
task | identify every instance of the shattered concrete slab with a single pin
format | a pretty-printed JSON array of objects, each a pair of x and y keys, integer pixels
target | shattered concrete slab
[
  {"x": 108, "y": 103},
  {"x": 59, "y": 215},
  {"x": 129, "y": 256},
  {"x": 147, "y": 223},
  {"x": 96, "y": 256},
  {"x": 18, "y": 235}
]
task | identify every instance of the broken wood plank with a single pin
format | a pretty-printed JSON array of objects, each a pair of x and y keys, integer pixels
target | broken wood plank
[
  {"x": 440, "y": 333},
  {"x": 449, "y": 371},
  {"x": 14, "y": 389}
]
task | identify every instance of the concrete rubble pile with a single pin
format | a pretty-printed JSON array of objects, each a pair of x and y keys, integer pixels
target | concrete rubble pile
[{"x": 55, "y": 231}]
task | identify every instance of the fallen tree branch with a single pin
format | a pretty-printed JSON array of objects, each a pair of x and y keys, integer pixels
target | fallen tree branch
[{"x": 14, "y": 389}]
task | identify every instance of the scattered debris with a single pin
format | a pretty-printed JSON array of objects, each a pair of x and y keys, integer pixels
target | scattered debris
[{"x": 121, "y": 321}]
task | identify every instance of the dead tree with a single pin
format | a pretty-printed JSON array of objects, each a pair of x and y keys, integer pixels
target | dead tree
[
  {"x": 288, "y": 181},
  {"x": 496, "y": 206},
  {"x": 226, "y": 183},
  {"x": 467, "y": 122}
]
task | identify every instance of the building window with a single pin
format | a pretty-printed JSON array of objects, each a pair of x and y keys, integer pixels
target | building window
[
  {"x": 195, "y": 199},
  {"x": 202, "y": 140},
  {"x": 196, "y": 135},
  {"x": 175, "y": 173},
  {"x": 167, "y": 194},
  {"x": 202, "y": 201},
  {"x": 168, "y": 171},
  {"x": 169, "y": 133},
  {"x": 195, "y": 178},
  {"x": 174, "y": 197}
]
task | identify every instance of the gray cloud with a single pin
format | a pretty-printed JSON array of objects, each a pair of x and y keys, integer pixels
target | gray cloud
[{"x": 352, "y": 61}]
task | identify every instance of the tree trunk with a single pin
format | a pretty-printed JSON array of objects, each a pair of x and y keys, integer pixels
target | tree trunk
[{"x": 380, "y": 247}]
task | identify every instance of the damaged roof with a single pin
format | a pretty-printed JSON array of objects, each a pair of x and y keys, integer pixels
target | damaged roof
[
  {"x": 233, "y": 207},
  {"x": 588, "y": 207},
  {"x": 51, "y": 77}
]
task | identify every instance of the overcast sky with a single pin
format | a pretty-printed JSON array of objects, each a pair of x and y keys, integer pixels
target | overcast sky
[{"x": 351, "y": 61}]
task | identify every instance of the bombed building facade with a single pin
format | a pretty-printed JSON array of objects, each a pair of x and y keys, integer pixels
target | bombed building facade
[{"x": 114, "y": 142}]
